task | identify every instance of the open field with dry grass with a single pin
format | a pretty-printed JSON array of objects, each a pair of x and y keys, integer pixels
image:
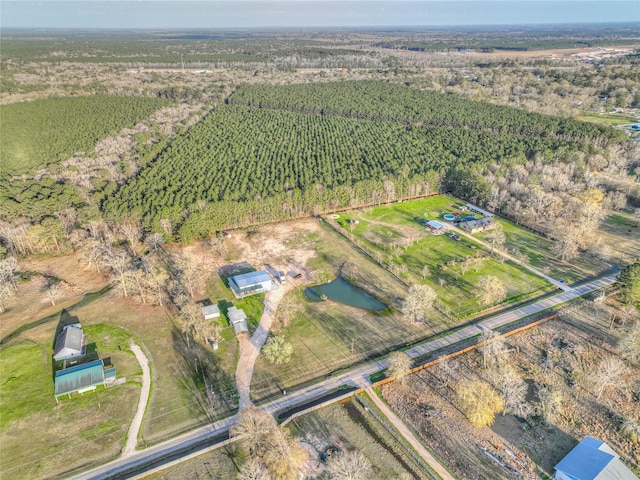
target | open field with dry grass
[{"x": 556, "y": 357}]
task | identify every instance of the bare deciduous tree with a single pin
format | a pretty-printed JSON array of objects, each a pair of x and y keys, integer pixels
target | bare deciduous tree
[
  {"x": 132, "y": 232},
  {"x": 610, "y": 372},
  {"x": 6, "y": 292},
  {"x": 288, "y": 308},
  {"x": 493, "y": 349},
  {"x": 492, "y": 290},
  {"x": 154, "y": 241},
  {"x": 629, "y": 345},
  {"x": 514, "y": 391},
  {"x": 266, "y": 442},
  {"x": 419, "y": 299},
  {"x": 496, "y": 237},
  {"x": 253, "y": 469},
  {"x": 351, "y": 465},
  {"x": 399, "y": 365},
  {"x": 425, "y": 272},
  {"x": 54, "y": 292},
  {"x": 8, "y": 267}
]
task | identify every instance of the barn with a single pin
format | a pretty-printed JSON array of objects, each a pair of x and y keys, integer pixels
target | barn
[
  {"x": 250, "y": 283},
  {"x": 81, "y": 378}
]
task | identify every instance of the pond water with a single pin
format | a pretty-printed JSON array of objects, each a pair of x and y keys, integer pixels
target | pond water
[{"x": 341, "y": 290}]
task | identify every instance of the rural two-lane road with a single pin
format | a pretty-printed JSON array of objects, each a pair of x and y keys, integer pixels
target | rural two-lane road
[{"x": 358, "y": 377}]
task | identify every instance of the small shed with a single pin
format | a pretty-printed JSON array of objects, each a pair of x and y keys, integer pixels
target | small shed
[
  {"x": 436, "y": 227},
  {"x": 474, "y": 209},
  {"x": 238, "y": 319},
  {"x": 250, "y": 283},
  {"x": 210, "y": 311},
  {"x": 592, "y": 459},
  {"x": 79, "y": 379},
  {"x": 70, "y": 343}
]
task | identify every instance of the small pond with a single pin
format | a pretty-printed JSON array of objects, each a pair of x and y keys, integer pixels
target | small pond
[{"x": 340, "y": 290}]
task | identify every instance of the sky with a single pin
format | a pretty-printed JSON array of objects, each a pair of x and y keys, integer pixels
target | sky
[{"x": 182, "y": 14}]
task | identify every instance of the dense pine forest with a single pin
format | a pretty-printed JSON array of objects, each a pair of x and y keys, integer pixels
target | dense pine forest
[
  {"x": 36, "y": 134},
  {"x": 277, "y": 152}
]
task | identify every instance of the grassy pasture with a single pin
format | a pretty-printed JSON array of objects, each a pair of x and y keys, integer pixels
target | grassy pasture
[
  {"x": 327, "y": 335},
  {"x": 621, "y": 231},
  {"x": 396, "y": 227},
  {"x": 539, "y": 252},
  {"x": 36, "y": 134},
  {"x": 607, "y": 119},
  {"x": 93, "y": 425}
]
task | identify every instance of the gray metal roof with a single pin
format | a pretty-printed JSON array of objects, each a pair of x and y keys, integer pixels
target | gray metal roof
[
  {"x": 236, "y": 315},
  {"x": 72, "y": 379},
  {"x": 252, "y": 278},
  {"x": 70, "y": 343},
  {"x": 211, "y": 311},
  {"x": 592, "y": 459}
]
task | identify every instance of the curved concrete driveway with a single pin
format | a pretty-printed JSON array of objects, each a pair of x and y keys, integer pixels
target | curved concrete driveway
[{"x": 132, "y": 436}]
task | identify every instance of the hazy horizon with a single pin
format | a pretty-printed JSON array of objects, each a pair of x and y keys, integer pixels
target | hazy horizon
[{"x": 267, "y": 14}]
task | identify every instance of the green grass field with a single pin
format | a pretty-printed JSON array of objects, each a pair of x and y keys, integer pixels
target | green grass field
[
  {"x": 607, "y": 119},
  {"x": 43, "y": 132},
  {"x": 539, "y": 252},
  {"x": 395, "y": 233},
  {"x": 92, "y": 426},
  {"x": 327, "y": 335},
  {"x": 621, "y": 232}
]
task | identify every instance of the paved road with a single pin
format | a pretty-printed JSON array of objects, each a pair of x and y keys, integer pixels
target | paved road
[
  {"x": 358, "y": 377},
  {"x": 433, "y": 463},
  {"x": 132, "y": 436}
]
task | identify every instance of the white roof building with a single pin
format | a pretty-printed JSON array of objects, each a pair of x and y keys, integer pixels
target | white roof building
[
  {"x": 71, "y": 343},
  {"x": 250, "y": 283},
  {"x": 238, "y": 319},
  {"x": 210, "y": 311}
]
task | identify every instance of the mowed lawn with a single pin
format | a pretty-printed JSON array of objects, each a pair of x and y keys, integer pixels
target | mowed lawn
[
  {"x": 621, "y": 231},
  {"x": 540, "y": 255},
  {"x": 178, "y": 394},
  {"x": 395, "y": 233},
  {"x": 327, "y": 336},
  {"x": 41, "y": 438}
]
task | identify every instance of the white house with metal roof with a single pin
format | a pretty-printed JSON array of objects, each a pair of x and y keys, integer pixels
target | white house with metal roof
[
  {"x": 251, "y": 283},
  {"x": 70, "y": 343},
  {"x": 592, "y": 459}
]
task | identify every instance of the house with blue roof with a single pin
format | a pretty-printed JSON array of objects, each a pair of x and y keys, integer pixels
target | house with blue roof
[
  {"x": 592, "y": 459},
  {"x": 250, "y": 283}
]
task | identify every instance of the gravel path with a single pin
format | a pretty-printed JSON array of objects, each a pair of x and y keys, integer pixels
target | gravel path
[
  {"x": 250, "y": 347},
  {"x": 409, "y": 437},
  {"x": 132, "y": 436}
]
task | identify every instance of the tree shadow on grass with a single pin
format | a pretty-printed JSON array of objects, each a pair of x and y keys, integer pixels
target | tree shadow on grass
[{"x": 210, "y": 390}]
